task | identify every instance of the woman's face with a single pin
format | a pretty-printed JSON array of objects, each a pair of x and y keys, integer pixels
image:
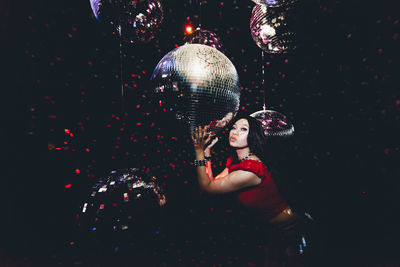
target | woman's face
[{"x": 238, "y": 134}]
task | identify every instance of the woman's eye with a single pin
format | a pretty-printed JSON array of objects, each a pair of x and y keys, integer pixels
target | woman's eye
[{"x": 244, "y": 129}]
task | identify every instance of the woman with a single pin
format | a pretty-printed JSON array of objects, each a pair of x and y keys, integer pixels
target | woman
[{"x": 248, "y": 176}]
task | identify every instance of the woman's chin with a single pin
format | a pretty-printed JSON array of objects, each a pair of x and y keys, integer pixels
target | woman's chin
[{"x": 236, "y": 146}]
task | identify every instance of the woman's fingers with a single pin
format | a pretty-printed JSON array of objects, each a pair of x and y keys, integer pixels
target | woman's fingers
[
  {"x": 214, "y": 141},
  {"x": 208, "y": 139},
  {"x": 197, "y": 132},
  {"x": 203, "y": 133},
  {"x": 200, "y": 134},
  {"x": 195, "y": 135}
]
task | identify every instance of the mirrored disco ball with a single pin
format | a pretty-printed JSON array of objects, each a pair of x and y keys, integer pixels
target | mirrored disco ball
[
  {"x": 271, "y": 29},
  {"x": 274, "y": 2},
  {"x": 200, "y": 36},
  {"x": 274, "y": 123},
  {"x": 198, "y": 83},
  {"x": 137, "y": 20},
  {"x": 123, "y": 208}
]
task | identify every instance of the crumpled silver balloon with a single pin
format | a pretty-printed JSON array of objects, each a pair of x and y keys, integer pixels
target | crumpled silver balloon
[
  {"x": 200, "y": 36},
  {"x": 200, "y": 84},
  {"x": 271, "y": 30},
  {"x": 132, "y": 20},
  {"x": 128, "y": 201},
  {"x": 274, "y": 3},
  {"x": 274, "y": 123}
]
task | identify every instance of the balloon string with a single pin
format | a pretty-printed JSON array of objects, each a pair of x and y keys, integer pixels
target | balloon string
[
  {"x": 200, "y": 2},
  {"x": 263, "y": 79},
  {"x": 120, "y": 49},
  {"x": 121, "y": 58}
]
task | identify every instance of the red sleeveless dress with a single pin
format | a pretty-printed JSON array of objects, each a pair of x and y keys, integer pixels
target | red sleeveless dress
[{"x": 263, "y": 198}]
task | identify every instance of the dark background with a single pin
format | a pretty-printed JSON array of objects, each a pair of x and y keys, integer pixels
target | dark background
[{"x": 60, "y": 77}]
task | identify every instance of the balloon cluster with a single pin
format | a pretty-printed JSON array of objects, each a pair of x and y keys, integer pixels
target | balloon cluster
[
  {"x": 132, "y": 20},
  {"x": 197, "y": 82}
]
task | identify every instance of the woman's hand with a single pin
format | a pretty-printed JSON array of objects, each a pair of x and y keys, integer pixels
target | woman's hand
[
  {"x": 207, "y": 151},
  {"x": 201, "y": 137}
]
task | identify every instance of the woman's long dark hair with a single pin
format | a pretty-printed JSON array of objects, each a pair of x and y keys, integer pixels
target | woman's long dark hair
[{"x": 256, "y": 138}]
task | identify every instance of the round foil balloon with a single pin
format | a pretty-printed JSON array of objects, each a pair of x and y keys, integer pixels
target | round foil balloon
[
  {"x": 133, "y": 20},
  {"x": 274, "y": 3},
  {"x": 270, "y": 29},
  {"x": 124, "y": 208},
  {"x": 200, "y": 84},
  {"x": 274, "y": 123},
  {"x": 200, "y": 36}
]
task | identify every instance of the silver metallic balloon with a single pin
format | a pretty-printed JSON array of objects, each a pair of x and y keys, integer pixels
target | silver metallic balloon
[
  {"x": 200, "y": 84},
  {"x": 274, "y": 123},
  {"x": 128, "y": 201},
  {"x": 133, "y": 20},
  {"x": 271, "y": 29},
  {"x": 274, "y": 3},
  {"x": 95, "y": 5},
  {"x": 200, "y": 36}
]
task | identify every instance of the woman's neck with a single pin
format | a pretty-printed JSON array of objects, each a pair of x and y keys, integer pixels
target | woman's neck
[{"x": 242, "y": 152}]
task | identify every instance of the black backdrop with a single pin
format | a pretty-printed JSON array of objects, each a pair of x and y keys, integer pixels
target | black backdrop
[{"x": 61, "y": 67}]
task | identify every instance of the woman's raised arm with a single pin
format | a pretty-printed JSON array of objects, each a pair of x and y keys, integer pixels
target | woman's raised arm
[{"x": 224, "y": 182}]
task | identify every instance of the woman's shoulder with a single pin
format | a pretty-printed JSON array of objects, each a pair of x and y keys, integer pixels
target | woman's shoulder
[
  {"x": 254, "y": 165},
  {"x": 255, "y": 158}
]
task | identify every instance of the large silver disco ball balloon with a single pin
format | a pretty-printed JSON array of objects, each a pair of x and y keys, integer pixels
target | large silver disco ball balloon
[
  {"x": 274, "y": 3},
  {"x": 125, "y": 207},
  {"x": 200, "y": 36},
  {"x": 133, "y": 20},
  {"x": 200, "y": 84},
  {"x": 274, "y": 123},
  {"x": 271, "y": 29}
]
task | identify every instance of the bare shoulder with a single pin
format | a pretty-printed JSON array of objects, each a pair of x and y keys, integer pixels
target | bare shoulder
[{"x": 254, "y": 157}]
